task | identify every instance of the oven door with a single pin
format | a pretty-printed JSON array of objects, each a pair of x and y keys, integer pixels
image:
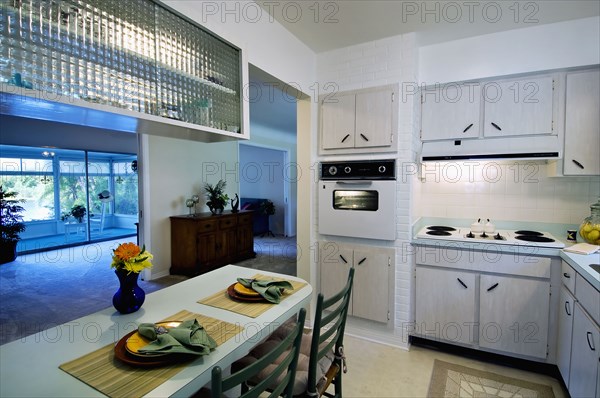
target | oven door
[{"x": 358, "y": 208}]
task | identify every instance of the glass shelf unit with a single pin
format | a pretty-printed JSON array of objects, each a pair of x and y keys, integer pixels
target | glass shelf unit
[{"x": 134, "y": 55}]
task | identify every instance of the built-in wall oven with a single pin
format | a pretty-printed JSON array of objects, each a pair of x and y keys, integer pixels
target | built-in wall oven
[{"x": 358, "y": 199}]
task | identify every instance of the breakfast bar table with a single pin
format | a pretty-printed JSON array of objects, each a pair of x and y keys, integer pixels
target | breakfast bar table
[{"x": 34, "y": 366}]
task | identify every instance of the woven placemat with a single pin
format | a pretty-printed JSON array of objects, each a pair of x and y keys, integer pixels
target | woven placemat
[
  {"x": 102, "y": 371},
  {"x": 252, "y": 309}
]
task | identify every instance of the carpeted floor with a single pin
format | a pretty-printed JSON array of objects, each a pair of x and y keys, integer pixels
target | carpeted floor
[
  {"x": 452, "y": 380},
  {"x": 42, "y": 290}
]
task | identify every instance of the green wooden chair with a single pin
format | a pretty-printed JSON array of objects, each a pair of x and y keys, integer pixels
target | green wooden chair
[
  {"x": 279, "y": 382},
  {"x": 322, "y": 360}
]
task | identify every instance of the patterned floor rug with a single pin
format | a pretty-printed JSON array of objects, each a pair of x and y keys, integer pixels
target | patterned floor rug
[{"x": 452, "y": 380}]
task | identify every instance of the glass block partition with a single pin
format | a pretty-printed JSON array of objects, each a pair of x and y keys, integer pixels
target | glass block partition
[{"x": 133, "y": 54}]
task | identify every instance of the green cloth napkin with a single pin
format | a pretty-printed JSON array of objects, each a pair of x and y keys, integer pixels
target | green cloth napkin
[
  {"x": 270, "y": 290},
  {"x": 187, "y": 338}
]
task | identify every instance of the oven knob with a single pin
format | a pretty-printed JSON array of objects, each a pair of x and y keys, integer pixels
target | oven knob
[
  {"x": 332, "y": 170},
  {"x": 347, "y": 169},
  {"x": 382, "y": 169}
]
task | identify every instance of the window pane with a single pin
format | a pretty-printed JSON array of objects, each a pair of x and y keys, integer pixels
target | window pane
[
  {"x": 126, "y": 188},
  {"x": 71, "y": 185},
  {"x": 9, "y": 165},
  {"x": 39, "y": 196}
]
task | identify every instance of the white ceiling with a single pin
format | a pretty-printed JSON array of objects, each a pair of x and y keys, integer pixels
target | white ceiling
[{"x": 327, "y": 24}]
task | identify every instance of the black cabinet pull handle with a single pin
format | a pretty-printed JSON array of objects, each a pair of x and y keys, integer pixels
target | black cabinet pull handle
[
  {"x": 567, "y": 275},
  {"x": 495, "y": 285},
  {"x": 578, "y": 164},
  {"x": 346, "y": 137},
  {"x": 363, "y": 137},
  {"x": 496, "y": 126},
  {"x": 462, "y": 283},
  {"x": 362, "y": 261},
  {"x": 590, "y": 343},
  {"x": 343, "y": 259},
  {"x": 468, "y": 127},
  {"x": 567, "y": 308}
]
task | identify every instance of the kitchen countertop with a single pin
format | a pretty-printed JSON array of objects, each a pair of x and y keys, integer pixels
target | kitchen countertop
[{"x": 579, "y": 262}]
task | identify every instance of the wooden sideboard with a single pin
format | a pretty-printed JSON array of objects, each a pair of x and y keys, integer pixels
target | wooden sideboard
[{"x": 203, "y": 242}]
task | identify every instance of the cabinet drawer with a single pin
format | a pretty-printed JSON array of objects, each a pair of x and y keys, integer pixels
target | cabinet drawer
[
  {"x": 227, "y": 222},
  {"x": 245, "y": 219},
  {"x": 206, "y": 226},
  {"x": 567, "y": 276},
  {"x": 588, "y": 297}
]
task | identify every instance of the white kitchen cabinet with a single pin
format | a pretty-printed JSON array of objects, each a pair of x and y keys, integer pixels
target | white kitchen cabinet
[
  {"x": 371, "y": 288},
  {"x": 517, "y": 107},
  {"x": 445, "y": 305},
  {"x": 371, "y": 293},
  {"x": 359, "y": 120},
  {"x": 450, "y": 111},
  {"x": 504, "y": 304},
  {"x": 585, "y": 354},
  {"x": 337, "y": 122},
  {"x": 565, "y": 333},
  {"x": 582, "y": 123},
  {"x": 514, "y": 315}
]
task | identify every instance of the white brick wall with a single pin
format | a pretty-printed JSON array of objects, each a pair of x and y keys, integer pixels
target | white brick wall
[
  {"x": 506, "y": 190},
  {"x": 382, "y": 62}
]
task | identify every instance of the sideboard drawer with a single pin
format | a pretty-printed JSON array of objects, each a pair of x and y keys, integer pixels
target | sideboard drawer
[
  {"x": 245, "y": 219},
  {"x": 206, "y": 226},
  {"x": 227, "y": 223}
]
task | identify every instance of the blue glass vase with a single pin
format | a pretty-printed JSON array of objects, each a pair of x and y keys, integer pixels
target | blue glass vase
[{"x": 130, "y": 297}]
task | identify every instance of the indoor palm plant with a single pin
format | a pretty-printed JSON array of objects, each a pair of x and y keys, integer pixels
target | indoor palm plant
[
  {"x": 216, "y": 198},
  {"x": 11, "y": 224}
]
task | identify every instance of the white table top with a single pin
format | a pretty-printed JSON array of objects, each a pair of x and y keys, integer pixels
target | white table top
[{"x": 29, "y": 366}]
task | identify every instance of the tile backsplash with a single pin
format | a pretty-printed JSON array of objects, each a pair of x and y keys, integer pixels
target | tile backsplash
[{"x": 504, "y": 190}]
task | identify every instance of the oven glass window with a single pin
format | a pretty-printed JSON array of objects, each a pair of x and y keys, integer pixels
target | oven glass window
[{"x": 356, "y": 200}]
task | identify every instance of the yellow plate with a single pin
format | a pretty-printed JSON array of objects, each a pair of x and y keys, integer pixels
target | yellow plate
[
  {"x": 244, "y": 291},
  {"x": 137, "y": 341}
]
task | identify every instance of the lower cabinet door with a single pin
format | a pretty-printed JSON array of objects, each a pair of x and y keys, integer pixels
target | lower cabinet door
[
  {"x": 370, "y": 293},
  {"x": 445, "y": 305},
  {"x": 513, "y": 315},
  {"x": 585, "y": 355},
  {"x": 565, "y": 332},
  {"x": 335, "y": 262}
]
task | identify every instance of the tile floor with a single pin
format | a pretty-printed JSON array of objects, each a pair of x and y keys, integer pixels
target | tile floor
[{"x": 377, "y": 370}]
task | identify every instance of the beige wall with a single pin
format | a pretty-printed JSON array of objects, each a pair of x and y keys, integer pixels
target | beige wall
[{"x": 173, "y": 171}]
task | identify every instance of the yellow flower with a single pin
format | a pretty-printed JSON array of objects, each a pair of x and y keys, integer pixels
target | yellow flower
[{"x": 129, "y": 257}]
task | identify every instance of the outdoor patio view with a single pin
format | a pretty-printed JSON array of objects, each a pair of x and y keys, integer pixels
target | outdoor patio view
[{"x": 71, "y": 197}]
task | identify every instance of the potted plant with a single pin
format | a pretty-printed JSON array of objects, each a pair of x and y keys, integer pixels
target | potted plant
[
  {"x": 11, "y": 225},
  {"x": 267, "y": 207},
  {"x": 216, "y": 198},
  {"x": 78, "y": 211}
]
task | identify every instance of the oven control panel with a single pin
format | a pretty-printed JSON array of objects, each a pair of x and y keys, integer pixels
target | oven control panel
[{"x": 359, "y": 170}]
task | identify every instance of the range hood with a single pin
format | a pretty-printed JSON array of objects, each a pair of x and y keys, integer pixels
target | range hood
[{"x": 529, "y": 147}]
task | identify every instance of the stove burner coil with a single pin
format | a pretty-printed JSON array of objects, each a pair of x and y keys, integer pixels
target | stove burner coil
[
  {"x": 528, "y": 233},
  {"x": 440, "y": 228},
  {"x": 534, "y": 238},
  {"x": 438, "y": 233}
]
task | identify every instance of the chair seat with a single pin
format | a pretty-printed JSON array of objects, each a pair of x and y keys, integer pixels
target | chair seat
[{"x": 301, "y": 381}]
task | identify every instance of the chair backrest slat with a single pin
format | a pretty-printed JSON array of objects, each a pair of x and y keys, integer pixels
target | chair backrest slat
[
  {"x": 290, "y": 345},
  {"x": 328, "y": 330}
]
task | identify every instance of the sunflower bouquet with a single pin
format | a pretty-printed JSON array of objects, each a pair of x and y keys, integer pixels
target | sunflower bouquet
[{"x": 129, "y": 257}]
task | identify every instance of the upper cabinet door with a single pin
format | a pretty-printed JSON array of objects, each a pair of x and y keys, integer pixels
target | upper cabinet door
[
  {"x": 374, "y": 113},
  {"x": 337, "y": 118},
  {"x": 518, "y": 107},
  {"x": 582, "y": 124},
  {"x": 450, "y": 112}
]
